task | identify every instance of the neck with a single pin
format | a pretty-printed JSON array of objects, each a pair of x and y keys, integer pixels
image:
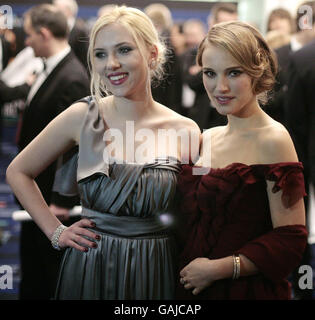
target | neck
[
  {"x": 135, "y": 108},
  {"x": 56, "y": 46},
  {"x": 253, "y": 118}
]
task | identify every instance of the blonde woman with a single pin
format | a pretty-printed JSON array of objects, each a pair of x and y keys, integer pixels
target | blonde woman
[
  {"x": 120, "y": 249},
  {"x": 246, "y": 229}
]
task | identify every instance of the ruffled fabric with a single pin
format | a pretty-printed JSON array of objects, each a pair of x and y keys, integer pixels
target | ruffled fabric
[
  {"x": 228, "y": 208},
  {"x": 288, "y": 177},
  {"x": 278, "y": 252}
]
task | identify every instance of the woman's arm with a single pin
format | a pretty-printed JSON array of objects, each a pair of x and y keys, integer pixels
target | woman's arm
[
  {"x": 59, "y": 136},
  {"x": 202, "y": 272},
  {"x": 275, "y": 148}
]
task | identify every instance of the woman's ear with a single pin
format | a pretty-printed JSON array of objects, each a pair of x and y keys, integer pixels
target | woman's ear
[
  {"x": 153, "y": 57},
  {"x": 154, "y": 52}
]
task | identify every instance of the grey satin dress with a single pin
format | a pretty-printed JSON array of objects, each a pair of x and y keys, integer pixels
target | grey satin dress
[{"x": 136, "y": 256}]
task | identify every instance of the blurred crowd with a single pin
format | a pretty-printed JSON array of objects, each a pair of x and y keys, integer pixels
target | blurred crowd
[
  {"x": 182, "y": 88},
  {"x": 23, "y": 58}
]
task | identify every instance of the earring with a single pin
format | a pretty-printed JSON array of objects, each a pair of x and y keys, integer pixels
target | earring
[{"x": 153, "y": 64}]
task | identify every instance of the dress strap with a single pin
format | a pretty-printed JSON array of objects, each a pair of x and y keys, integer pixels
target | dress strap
[
  {"x": 289, "y": 178},
  {"x": 92, "y": 145}
]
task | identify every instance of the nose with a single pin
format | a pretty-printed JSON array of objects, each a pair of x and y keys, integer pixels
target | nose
[
  {"x": 112, "y": 62},
  {"x": 222, "y": 84}
]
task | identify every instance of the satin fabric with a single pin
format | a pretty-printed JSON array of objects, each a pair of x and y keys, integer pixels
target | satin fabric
[{"x": 132, "y": 206}]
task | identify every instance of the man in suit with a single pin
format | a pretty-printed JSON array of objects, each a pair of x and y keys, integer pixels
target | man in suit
[
  {"x": 222, "y": 12},
  {"x": 300, "y": 118},
  {"x": 63, "y": 81},
  {"x": 8, "y": 94},
  {"x": 276, "y": 105},
  {"x": 5, "y": 55},
  {"x": 79, "y": 35},
  {"x": 168, "y": 90},
  {"x": 5, "y": 52}
]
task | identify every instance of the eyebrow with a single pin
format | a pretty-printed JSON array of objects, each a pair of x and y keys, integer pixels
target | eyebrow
[
  {"x": 116, "y": 45},
  {"x": 229, "y": 68}
]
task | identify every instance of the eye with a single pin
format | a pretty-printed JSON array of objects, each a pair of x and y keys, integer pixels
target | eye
[
  {"x": 235, "y": 73},
  {"x": 124, "y": 50},
  {"x": 209, "y": 73},
  {"x": 100, "y": 54}
]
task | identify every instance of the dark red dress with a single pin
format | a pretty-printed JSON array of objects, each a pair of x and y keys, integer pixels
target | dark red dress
[{"x": 227, "y": 211}]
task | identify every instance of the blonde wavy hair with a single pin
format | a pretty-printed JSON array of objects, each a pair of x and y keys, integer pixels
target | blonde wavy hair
[
  {"x": 144, "y": 34},
  {"x": 249, "y": 49}
]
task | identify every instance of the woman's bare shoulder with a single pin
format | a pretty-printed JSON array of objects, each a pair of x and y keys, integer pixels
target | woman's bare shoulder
[
  {"x": 72, "y": 119},
  {"x": 178, "y": 121},
  {"x": 212, "y": 132},
  {"x": 275, "y": 144},
  {"x": 78, "y": 110}
]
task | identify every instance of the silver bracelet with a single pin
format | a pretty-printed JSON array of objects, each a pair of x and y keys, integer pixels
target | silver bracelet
[{"x": 56, "y": 235}]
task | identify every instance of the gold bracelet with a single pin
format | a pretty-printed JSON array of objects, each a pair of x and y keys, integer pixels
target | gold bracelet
[{"x": 236, "y": 266}]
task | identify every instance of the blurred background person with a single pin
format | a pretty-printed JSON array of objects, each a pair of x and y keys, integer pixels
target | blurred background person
[
  {"x": 7, "y": 94},
  {"x": 282, "y": 20},
  {"x": 104, "y": 9},
  {"x": 167, "y": 91},
  {"x": 178, "y": 38},
  {"x": 300, "y": 119},
  {"x": 78, "y": 31},
  {"x": 297, "y": 39},
  {"x": 6, "y": 53},
  {"x": 161, "y": 17},
  {"x": 62, "y": 81},
  {"x": 222, "y": 12},
  {"x": 280, "y": 27},
  {"x": 192, "y": 93}
]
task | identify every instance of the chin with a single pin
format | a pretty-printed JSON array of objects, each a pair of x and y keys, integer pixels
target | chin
[{"x": 222, "y": 110}]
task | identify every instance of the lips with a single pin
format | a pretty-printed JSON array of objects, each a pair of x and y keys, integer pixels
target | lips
[
  {"x": 224, "y": 99},
  {"x": 117, "y": 78}
]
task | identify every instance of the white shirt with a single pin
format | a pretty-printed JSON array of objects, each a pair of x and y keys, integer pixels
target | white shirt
[
  {"x": 295, "y": 45},
  {"x": 24, "y": 64},
  {"x": 51, "y": 63}
]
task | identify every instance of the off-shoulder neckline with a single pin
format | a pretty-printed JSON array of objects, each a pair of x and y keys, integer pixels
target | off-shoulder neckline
[{"x": 240, "y": 164}]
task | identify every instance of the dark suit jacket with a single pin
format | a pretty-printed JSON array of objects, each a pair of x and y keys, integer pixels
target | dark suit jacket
[
  {"x": 6, "y": 52},
  {"x": 168, "y": 91},
  {"x": 8, "y": 94},
  {"x": 67, "y": 83},
  {"x": 300, "y": 107},
  {"x": 79, "y": 41}
]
